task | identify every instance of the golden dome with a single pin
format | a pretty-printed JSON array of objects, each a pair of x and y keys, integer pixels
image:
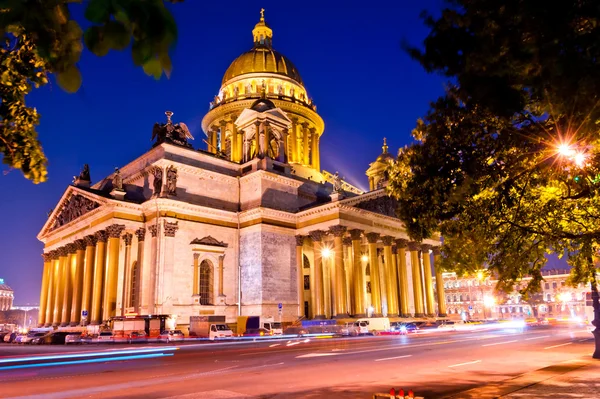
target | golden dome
[{"x": 262, "y": 57}]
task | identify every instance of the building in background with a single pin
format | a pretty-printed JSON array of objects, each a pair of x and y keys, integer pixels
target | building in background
[
  {"x": 7, "y": 296},
  {"x": 476, "y": 298},
  {"x": 249, "y": 226}
]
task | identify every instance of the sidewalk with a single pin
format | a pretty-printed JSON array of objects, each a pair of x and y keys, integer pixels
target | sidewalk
[{"x": 579, "y": 378}]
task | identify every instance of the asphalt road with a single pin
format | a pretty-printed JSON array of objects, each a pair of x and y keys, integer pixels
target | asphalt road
[{"x": 433, "y": 365}]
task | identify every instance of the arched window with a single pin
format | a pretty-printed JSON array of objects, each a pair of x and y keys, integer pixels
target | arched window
[
  {"x": 133, "y": 285},
  {"x": 448, "y": 299},
  {"x": 461, "y": 297},
  {"x": 306, "y": 262},
  {"x": 206, "y": 283}
]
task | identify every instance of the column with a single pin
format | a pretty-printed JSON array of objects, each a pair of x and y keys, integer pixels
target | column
[
  {"x": 428, "y": 280},
  {"x": 152, "y": 300},
  {"x": 293, "y": 142},
  {"x": 44, "y": 289},
  {"x": 109, "y": 300},
  {"x": 390, "y": 273},
  {"x": 318, "y": 307},
  {"x": 196, "y": 282},
  {"x": 214, "y": 140},
  {"x": 349, "y": 266},
  {"x": 59, "y": 286},
  {"x": 401, "y": 245},
  {"x": 97, "y": 287},
  {"x": 126, "y": 291},
  {"x": 300, "y": 273},
  {"x": 413, "y": 247},
  {"x": 68, "y": 280},
  {"x": 305, "y": 148},
  {"x": 374, "y": 263},
  {"x": 359, "y": 279},
  {"x": 314, "y": 159},
  {"x": 232, "y": 141},
  {"x": 341, "y": 308},
  {"x": 52, "y": 287},
  {"x": 88, "y": 277},
  {"x": 139, "y": 270},
  {"x": 315, "y": 149},
  {"x": 239, "y": 136},
  {"x": 439, "y": 282},
  {"x": 221, "y": 268},
  {"x": 78, "y": 282}
]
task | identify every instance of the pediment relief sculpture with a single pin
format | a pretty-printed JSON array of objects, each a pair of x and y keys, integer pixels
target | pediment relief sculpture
[
  {"x": 74, "y": 207},
  {"x": 208, "y": 240}
]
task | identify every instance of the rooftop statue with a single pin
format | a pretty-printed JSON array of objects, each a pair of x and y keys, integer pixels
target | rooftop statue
[{"x": 177, "y": 134}]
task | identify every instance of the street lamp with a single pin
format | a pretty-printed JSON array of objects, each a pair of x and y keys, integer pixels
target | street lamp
[
  {"x": 364, "y": 258},
  {"x": 326, "y": 253},
  {"x": 488, "y": 301}
]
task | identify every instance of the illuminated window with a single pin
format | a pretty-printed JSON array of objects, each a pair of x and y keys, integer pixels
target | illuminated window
[
  {"x": 206, "y": 283},
  {"x": 368, "y": 287},
  {"x": 368, "y": 270},
  {"x": 554, "y": 285},
  {"x": 307, "y": 282},
  {"x": 133, "y": 285},
  {"x": 547, "y": 286},
  {"x": 305, "y": 262}
]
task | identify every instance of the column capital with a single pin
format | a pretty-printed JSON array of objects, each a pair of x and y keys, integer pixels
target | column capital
[
  {"x": 127, "y": 237},
  {"x": 347, "y": 241},
  {"x": 196, "y": 256},
  {"x": 62, "y": 251},
  {"x": 394, "y": 250},
  {"x": 90, "y": 241},
  {"x": 115, "y": 230},
  {"x": 437, "y": 251},
  {"x": 299, "y": 241},
  {"x": 317, "y": 235},
  {"x": 414, "y": 246},
  {"x": 338, "y": 230},
  {"x": 71, "y": 248},
  {"x": 355, "y": 234},
  {"x": 80, "y": 245},
  {"x": 140, "y": 234},
  {"x": 425, "y": 247},
  {"x": 387, "y": 240},
  {"x": 153, "y": 229},
  {"x": 48, "y": 256},
  {"x": 372, "y": 238},
  {"x": 401, "y": 243},
  {"x": 170, "y": 228}
]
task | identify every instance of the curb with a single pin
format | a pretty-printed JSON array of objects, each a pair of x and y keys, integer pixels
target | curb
[{"x": 502, "y": 388}]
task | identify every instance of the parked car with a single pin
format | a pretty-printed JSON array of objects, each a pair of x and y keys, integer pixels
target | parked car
[
  {"x": 31, "y": 336},
  {"x": 73, "y": 338},
  {"x": 404, "y": 328},
  {"x": 295, "y": 330},
  {"x": 105, "y": 337},
  {"x": 137, "y": 337},
  {"x": 171, "y": 336},
  {"x": 54, "y": 338},
  {"x": 257, "y": 332},
  {"x": 8, "y": 338},
  {"x": 19, "y": 338},
  {"x": 41, "y": 340}
]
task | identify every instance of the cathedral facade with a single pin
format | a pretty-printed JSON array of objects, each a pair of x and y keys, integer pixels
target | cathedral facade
[{"x": 250, "y": 225}]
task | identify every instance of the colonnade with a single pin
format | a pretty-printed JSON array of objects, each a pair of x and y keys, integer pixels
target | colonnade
[
  {"x": 300, "y": 142},
  {"x": 341, "y": 290},
  {"x": 80, "y": 279}
]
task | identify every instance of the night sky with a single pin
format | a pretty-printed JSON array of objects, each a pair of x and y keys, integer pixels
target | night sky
[{"x": 348, "y": 54}]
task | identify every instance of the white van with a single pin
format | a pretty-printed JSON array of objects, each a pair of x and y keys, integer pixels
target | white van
[{"x": 375, "y": 325}]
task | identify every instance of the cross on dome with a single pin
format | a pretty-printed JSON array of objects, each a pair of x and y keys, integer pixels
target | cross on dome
[{"x": 263, "y": 35}]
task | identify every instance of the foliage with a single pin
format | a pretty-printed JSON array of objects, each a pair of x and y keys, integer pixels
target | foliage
[
  {"x": 41, "y": 38},
  {"x": 485, "y": 170}
]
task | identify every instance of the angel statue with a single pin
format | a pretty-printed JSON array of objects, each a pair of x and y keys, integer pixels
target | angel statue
[
  {"x": 177, "y": 133},
  {"x": 337, "y": 183},
  {"x": 117, "y": 180}
]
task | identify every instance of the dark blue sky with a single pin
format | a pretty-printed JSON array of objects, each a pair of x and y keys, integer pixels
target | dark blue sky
[{"x": 348, "y": 54}]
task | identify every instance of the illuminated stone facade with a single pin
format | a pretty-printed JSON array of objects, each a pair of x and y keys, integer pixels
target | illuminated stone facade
[
  {"x": 237, "y": 229},
  {"x": 6, "y": 296}
]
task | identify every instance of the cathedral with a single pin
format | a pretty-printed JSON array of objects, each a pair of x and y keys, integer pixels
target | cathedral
[{"x": 248, "y": 225}]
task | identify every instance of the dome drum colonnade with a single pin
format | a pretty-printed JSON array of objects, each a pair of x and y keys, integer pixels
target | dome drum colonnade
[
  {"x": 263, "y": 72},
  {"x": 83, "y": 276},
  {"x": 348, "y": 278}
]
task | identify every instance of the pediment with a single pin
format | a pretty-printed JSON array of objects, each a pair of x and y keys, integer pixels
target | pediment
[
  {"x": 383, "y": 205},
  {"x": 74, "y": 204},
  {"x": 210, "y": 241}
]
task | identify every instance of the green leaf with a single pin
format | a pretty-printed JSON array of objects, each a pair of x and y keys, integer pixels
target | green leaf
[
  {"x": 165, "y": 63},
  {"x": 117, "y": 35},
  {"x": 153, "y": 68},
  {"x": 141, "y": 52},
  {"x": 93, "y": 39},
  {"x": 98, "y": 11},
  {"x": 69, "y": 80}
]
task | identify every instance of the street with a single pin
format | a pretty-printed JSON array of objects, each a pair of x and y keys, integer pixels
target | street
[{"x": 433, "y": 365}]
